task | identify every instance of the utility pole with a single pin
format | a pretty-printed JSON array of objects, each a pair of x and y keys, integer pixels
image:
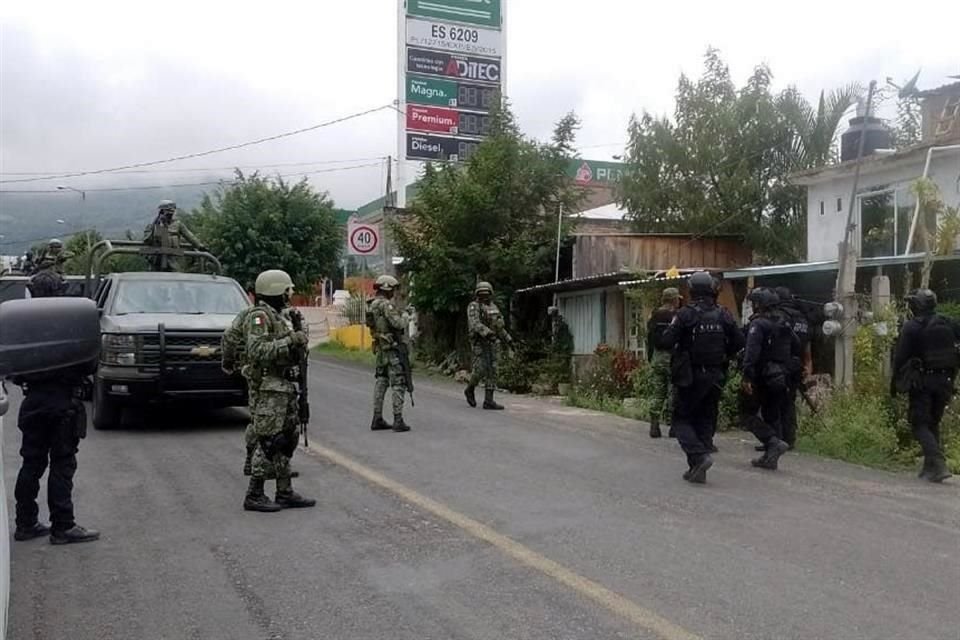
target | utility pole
[
  {"x": 388, "y": 207},
  {"x": 847, "y": 271}
]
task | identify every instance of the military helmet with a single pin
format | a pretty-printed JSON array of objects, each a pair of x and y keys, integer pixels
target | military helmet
[
  {"x": 47, "y": 284},
  {"x": 922, "y": 301},
  {"x": 167, "y": 205},
  {"x": 483, "y": 287},
  {"x": 702, "y": 285},
  {"x": 670, "y": 294},
  {"x": 55, "y": 243},
  {"x": 273, "y": 282},
  {"x": 784, "y": 294},
  {"x": 386, "y": 283},
  {"x": 763, "y": 298}
]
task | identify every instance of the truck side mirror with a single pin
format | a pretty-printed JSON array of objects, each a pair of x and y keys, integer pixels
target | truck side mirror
[{"x": 47, "y": 333}]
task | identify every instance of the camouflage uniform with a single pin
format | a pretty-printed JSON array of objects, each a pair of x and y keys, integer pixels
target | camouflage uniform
[
  {"x": 662, "y": 398},
  {"x": 51, "y": 257},
  {"x": 167, "y": 232},
  {"x": 235, "y": 361},
  {"x": 388, "y": 326},
  {"x": 271, "y": 355},
  {"x": 486, "y": 326}
]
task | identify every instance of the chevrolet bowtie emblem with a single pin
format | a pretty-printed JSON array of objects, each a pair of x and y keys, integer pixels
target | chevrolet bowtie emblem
[{"x": 204, "y": 351}]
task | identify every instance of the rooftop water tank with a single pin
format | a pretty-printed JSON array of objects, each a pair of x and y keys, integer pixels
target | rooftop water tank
[{"x": 877, "y": 136}]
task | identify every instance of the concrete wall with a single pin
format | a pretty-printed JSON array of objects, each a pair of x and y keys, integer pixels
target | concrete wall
[{"x": 825, "y": 232}]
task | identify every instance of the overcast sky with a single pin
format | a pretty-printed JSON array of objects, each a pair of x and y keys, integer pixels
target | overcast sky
[{"x": 96, "y": 84}]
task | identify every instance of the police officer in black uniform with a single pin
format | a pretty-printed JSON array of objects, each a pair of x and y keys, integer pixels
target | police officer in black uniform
[
  {"x": 925, "y": 366},
  {"x": 771, "y": 350},
  {"x": 703, "y": 337},
  {"x": 53, "y": 420},
  {"x": 799, "y": 369}
]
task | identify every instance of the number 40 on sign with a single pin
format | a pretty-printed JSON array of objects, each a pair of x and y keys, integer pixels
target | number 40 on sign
[{"x": 362, "y": 239}]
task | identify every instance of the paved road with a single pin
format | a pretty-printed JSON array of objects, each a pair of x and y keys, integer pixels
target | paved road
[{"x": 540, "y": 522}]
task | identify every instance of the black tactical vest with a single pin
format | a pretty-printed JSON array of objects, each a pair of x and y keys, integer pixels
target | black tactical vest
[
  {"x": 938, "y": 348},
  {"x": 799, "y": 324},
  {"x": 708, "y": 347},
  {"x": 777, "y": 345}
]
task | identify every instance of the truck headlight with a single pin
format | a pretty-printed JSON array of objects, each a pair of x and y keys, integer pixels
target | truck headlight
[{"x": 119, "y": 349}]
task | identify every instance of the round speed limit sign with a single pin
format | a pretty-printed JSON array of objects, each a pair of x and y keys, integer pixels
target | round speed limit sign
[{"x": 364, "y": 239}]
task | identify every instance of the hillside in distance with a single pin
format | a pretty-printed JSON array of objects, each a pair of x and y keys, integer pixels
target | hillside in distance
[{"x": 29, "y": 218}]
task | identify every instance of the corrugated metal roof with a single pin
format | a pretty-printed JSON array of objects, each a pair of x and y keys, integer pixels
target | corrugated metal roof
[{"x": 830, "y": 265}]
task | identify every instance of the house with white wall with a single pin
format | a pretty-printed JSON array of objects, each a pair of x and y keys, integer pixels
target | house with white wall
[{"x": 884, "y": 205}]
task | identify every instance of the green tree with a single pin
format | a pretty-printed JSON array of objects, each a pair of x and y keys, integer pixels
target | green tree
[
  {"x": 259, "y": 223},
  {"x": 815, "y": 131},
  {"x": 721, "y": 164},
  {"x": 492, "y": 218},
  {"x": 79, "y": 245}
]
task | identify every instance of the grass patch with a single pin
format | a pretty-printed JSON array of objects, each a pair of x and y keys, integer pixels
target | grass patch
[
  {"x": 340, "y": 352},
  {"x": 606, "y": 404}
]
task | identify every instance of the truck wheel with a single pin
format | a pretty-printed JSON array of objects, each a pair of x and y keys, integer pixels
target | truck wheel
[{"x": 106, "y": 411}]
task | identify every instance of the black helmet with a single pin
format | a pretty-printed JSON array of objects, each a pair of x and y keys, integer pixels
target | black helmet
[
  {"x": 47, "y": 284},
  {"x": 784, "y": 294},
  {"x": 763, "y": 298},
  {"x": 922, "y": 301},
  {"x": 702, "y": 285}
]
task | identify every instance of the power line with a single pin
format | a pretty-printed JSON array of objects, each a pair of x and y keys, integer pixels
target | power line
[
  {"x": 206, "y": 153},
  {"x": 138, "y": 214},
  {"x": 190, "y": 184},
  {"x": 200, "y": 169}
]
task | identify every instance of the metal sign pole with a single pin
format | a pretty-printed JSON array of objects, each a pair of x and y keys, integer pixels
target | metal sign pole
[{"x": 401, "y": 185}]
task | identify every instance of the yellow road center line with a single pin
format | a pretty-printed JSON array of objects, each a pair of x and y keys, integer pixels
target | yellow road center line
[{"x": 614, "y": 602}]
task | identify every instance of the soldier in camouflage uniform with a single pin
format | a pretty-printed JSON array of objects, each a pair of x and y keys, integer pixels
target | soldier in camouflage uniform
[
  {"x": 273, "y": 350},
  {"x": 168, "y": 232},
  {"x": 234, "y": 360},
  {"x": 486, "y": 326},
  {"x": 389, "y": 327},
  {"x": 51, "y": 257},
  {"x": 660, "y": 359}
]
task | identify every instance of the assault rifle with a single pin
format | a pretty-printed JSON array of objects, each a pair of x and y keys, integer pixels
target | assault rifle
[{"x": 303, "y": 398}]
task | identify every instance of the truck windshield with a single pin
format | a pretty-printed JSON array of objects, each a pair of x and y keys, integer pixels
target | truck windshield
[{"x": 178, "y": 297}]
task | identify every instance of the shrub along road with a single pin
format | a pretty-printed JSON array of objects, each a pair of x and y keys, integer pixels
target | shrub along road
[{"x": 541, "y": 521}]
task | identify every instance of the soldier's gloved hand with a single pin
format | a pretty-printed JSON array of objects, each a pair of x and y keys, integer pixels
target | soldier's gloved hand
[{"x": 299, "y": 339}]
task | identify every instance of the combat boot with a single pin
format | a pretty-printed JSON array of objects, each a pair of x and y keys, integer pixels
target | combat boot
[
  {"x": 655, "y": 428},
  {"x": 769, "y": 460},
  {"x": 36, "y": 530},
  {"x": 399, "y": 426},
  {"x": 698, "y": 472},
  {"x": 257, "y": 500},
  {"x": 925, "y": 469},
  {"x": 74, "y": 535},
  {"x": 379, "y": 424},
  {"x": 470, "y": 393},
  {"x": 290, "y": 499},
  {"x": 488, "y": 402},
  {"x": 938, "y": 471}
]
